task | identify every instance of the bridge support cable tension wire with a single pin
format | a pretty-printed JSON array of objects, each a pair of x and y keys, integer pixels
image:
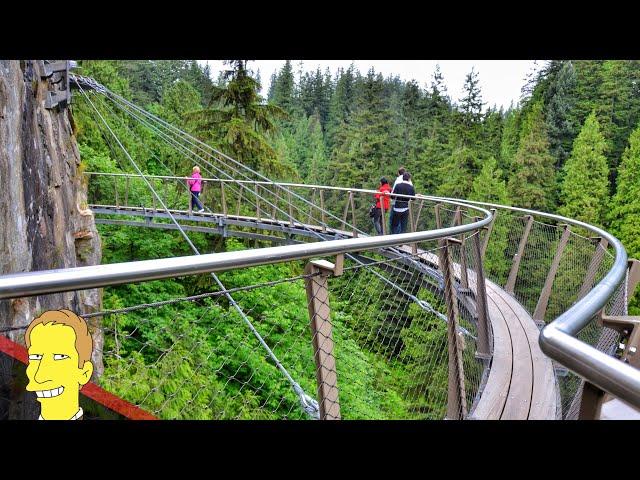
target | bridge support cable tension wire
[
  {"x": 308, "y": 404},
  {"x": 119, "y": 101}
]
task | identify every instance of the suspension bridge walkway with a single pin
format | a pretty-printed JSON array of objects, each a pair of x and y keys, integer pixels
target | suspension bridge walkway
[{"x": 491, "y": 312}]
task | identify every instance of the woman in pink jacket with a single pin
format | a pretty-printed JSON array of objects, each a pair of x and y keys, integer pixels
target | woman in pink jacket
[{"x": 195, "y": 186}]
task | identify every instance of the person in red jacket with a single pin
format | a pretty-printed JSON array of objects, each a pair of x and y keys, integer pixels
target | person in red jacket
[{"x": 383, "y": 197}]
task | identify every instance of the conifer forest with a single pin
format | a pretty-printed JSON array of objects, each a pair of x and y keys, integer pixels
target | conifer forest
[{"x": 570, "y": 146}]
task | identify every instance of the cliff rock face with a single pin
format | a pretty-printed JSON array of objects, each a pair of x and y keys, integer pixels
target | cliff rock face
[{"x": 44, "y": 221}]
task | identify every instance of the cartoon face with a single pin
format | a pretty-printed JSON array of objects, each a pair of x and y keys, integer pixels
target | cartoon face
[{"x": 53, "y": 371}]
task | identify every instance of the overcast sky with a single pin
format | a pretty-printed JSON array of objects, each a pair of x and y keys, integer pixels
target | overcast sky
[{"x": 500, "y": 80}]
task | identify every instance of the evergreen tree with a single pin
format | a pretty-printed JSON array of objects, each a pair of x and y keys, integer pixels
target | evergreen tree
[
  {"x": 237, "y": 122},
  {"x": 532, "y": 178},
  {"x": 625, "y": 205},
  {"x": 618, "y": 105},
  {"x": 470, "y": 108},
  {"x": 510, "y": 138},
  {"x": 585, "y": 188},
  {"x": 363, "y": 151},
  {"x": 561, "y": 102},
  {"x": 340, "y": 105},
  {"x": 282, "y": 89},
  {"x": 489, "y": 186}
]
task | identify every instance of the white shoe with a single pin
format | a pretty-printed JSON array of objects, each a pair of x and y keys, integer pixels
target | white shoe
[{"x": 201, "y": 210}]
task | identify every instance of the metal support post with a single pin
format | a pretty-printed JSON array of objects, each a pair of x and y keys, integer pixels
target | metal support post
[
  {"x": 543, "y": 301},
  {"x": 456, "y": 399},
  {"x": 485, "y": 243},
  {"x": 223, "y": 198},
  {"x": 322, "y": 336},
  {"x": 482, "y": 344},
  {"x": 515, "y": 265},
  {"x": 324, "y": 220}
]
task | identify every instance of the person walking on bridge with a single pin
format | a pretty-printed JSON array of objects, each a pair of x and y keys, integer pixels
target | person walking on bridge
[
  {"x": 401, "y": 205},
  {"x": 382, "y": 201},
  {"x": 399, "y": 179},
  {"x": 195, "y": 186}
]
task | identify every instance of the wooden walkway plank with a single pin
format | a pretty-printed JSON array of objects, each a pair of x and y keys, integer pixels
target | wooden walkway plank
[
  {"x": 496, "y": 390},
  {"x": 543, "y": 398},
  {"x": 521, "y": 387}
]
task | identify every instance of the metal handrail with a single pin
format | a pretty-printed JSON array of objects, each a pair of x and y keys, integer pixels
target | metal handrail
[
  {"x": 63, "y": 280},
  {"x": 558, "y": 339},
  {"x": 282, "y": 184}
]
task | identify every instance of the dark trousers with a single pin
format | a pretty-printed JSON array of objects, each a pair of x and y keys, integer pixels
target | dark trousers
[
  {"x": 195, "y": 201},
  {"x": 399, "y": 222},
  {"x": 377, "y": 220}
]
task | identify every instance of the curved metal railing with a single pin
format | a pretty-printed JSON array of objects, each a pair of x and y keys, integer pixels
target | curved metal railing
[{"x": 559, "y": 335}]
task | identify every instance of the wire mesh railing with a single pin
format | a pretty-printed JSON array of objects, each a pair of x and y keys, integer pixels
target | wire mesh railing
[{"x": 551, "y": 267}]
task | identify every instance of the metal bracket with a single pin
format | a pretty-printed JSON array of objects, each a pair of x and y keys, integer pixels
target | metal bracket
[{"x": 58, "y": 74}]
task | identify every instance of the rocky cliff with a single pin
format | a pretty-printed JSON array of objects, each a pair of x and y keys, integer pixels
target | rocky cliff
[{"x": 44, "y": 222}]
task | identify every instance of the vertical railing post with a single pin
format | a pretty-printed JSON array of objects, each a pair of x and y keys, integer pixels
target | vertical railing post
[
  {"x": 353, "y": 217},
  {"x": 483, "y": 349},
  {"x": 239, "y": 199},
  {"x": 464, "y": 275},
  {"x": 543, "y": 300},
  {"x": 415, "y": 225},
  {"x": 322, "y": 336},
  {"x": 515, "y": 265},
  {"x": 290, "y": 208},
  {"x": 456, "y": 399},
  {"x": 436, "y": 209},
  {"x": 485, "y": 243},
  {"x": 312, "y": 204},
  {"x": 457, "y": 217},
  {"x": 223, "y": 199},
  {"x": 153, "y": 202},
  {"x": 126, "y": 192},
  {"x": 257, "y": 202},
  {"x": 414, "y": 246},
  {"x": 591, "y": 402},
  {"x": 594, "y": 265},
  {"x": 346, "y": 210},
  {"x": 166, "y": 194},
  {"x": 115, "y": 187},
  {"x": 276, "y": 197},
  {"x": 324, "y": 220}
]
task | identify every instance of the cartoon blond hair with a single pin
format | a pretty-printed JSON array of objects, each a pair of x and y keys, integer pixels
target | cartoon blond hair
[{"x": 84, "y": 342}]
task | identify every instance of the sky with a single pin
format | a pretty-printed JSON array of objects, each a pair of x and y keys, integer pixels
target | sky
[{"x": 500, "y": 80}]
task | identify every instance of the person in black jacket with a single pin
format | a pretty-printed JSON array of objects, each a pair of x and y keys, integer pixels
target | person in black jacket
[{"x": 401, "y": 205}]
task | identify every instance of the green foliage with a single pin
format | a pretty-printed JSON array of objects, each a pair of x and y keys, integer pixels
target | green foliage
[
  {"x": 489, "y": 186},
  {"x": 348, "y": 130},
  {"x": 532, "y": 179},
  {"x": 585, "y": 188},
  {"x": 625, "y": 211}
]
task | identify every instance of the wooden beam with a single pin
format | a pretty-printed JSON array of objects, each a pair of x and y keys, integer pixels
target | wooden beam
[
  {"x": 456, "y": 398},
  {"x": 322, "y": 338},
  {"x": 485, "y": 243},
  {"x": 515, "y": 264},
  {"x": 594, "y": 265},
  {"x": 543, "y": 300}
]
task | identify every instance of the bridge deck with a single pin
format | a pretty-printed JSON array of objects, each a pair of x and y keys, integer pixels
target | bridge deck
[{"x": 521, "y": 384}]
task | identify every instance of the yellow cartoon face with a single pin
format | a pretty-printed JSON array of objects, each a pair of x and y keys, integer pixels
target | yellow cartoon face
[{"x": 53, "y": 370}]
